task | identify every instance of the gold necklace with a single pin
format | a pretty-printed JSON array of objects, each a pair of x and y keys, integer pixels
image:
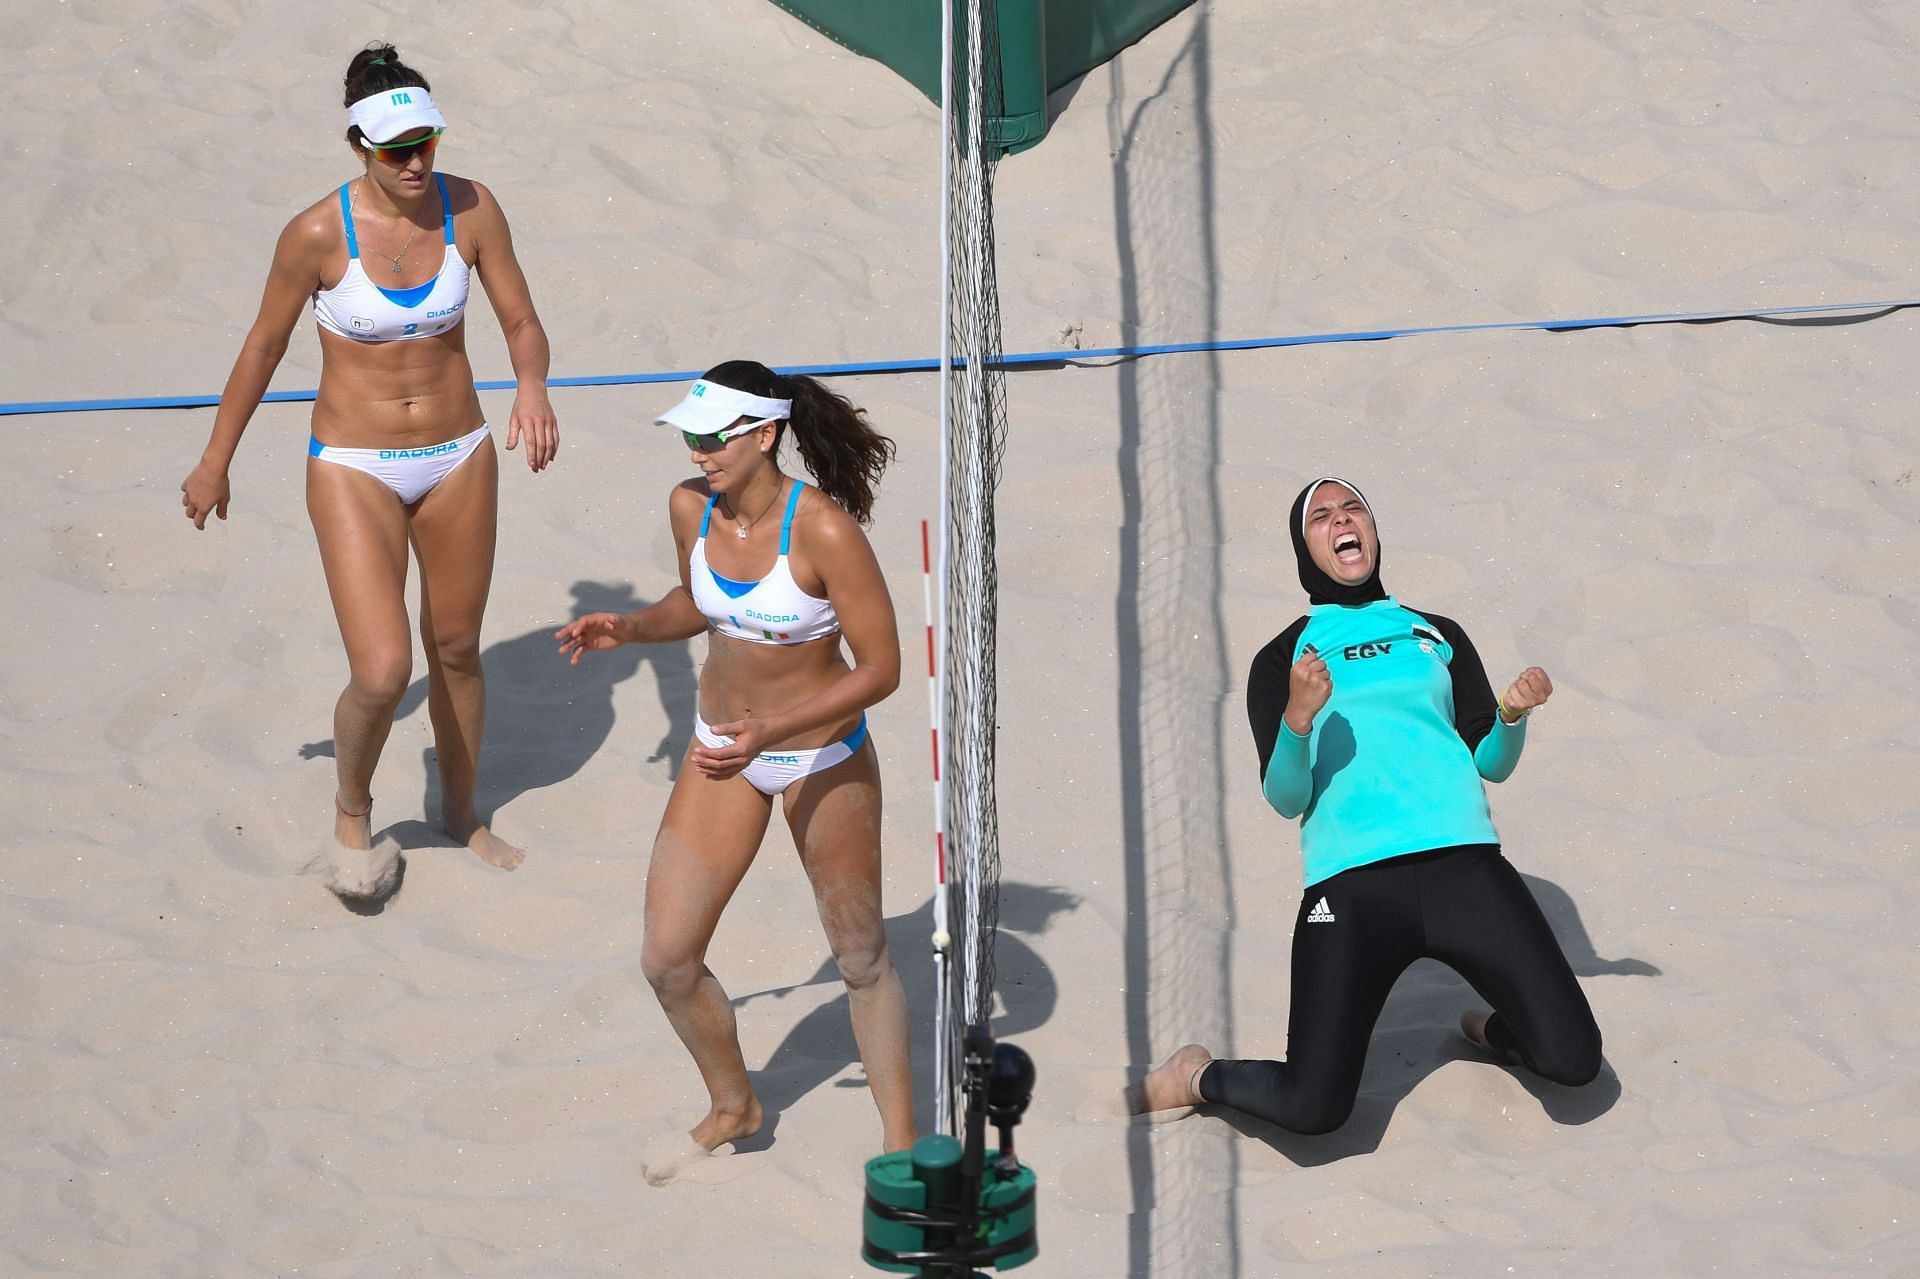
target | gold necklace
[
  {"x": 403, "y": 248},
  {"x": 740, "y": 529}
]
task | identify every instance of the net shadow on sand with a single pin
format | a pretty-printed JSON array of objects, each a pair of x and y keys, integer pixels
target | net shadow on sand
[
  {"x": 1171, "y": 640},
  {"x": 820, "y": 1046}
]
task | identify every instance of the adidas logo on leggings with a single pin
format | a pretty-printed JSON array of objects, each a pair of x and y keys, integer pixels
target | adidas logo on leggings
[{"x": 1320, "y": 914}]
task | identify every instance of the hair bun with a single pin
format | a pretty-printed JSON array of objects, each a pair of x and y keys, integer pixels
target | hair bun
[
  {"x": 377, "y": 68},
  {"x": 378, "y": 53}
]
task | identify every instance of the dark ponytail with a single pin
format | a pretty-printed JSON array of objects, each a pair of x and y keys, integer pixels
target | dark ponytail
[
  {"x": 376, "y": 69},
  {"x": 844, "y": 454}
]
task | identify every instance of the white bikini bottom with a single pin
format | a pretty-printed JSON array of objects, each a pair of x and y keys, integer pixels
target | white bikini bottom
[
  {"x": 410, "y": 473},
  {"x": 773, "y": 771}
]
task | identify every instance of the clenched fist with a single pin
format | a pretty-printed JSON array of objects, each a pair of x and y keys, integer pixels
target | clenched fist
[
  {"x": 1308, "y": 687},
  {"x": 1529, "y": 689}
]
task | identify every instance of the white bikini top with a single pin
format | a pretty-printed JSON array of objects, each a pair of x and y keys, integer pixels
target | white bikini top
[
  {"x": 773, "y": 610},
  {"x": 360, "y": 309}
]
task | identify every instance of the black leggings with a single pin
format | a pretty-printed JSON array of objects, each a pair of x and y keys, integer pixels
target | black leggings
[{"x": 1466, "y": 907}]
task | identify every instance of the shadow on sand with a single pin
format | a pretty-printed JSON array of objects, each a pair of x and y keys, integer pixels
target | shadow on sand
[
  {"x": 1170, "y": 634},
  {"x": 546, "y": 718},
  {"x": 820, "y": 1046},
  {"x": 1418, "y": 1032}
]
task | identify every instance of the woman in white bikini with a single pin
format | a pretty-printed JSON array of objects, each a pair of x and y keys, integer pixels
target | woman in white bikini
[
  {"x": 400, "y": 454},
  {"x": 777, "y": 573}
]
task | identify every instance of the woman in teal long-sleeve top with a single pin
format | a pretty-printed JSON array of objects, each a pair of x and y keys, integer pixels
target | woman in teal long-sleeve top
[{"x": 1376, "y": 727}]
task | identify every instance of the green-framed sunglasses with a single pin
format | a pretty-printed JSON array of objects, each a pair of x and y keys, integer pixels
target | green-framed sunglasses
[
  {"x": 718, "y": 440},
  {"x": 398, "y": 153}
]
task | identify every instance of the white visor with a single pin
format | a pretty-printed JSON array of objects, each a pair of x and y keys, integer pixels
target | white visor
[
  {"x": 711, "y": 408},
  {"x": 384, "y": 116}
]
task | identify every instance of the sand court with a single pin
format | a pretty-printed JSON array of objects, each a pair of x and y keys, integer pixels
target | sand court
[{"x": 1706, "y": 532}]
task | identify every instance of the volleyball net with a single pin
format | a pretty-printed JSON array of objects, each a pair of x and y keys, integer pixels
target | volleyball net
[
  {"x": 973, "y": 429},
  {"x": 953, "y": 1203}
]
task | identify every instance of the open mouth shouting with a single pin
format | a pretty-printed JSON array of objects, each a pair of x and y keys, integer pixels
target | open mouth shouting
[
  {"x": 1337, "y": 527},
  {"x": 1336, "y": 544}
]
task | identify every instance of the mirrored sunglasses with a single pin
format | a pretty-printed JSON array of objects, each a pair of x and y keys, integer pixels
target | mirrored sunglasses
[
  {"x": 718, "y": 440},
  {"x": 398, "y": 153}
]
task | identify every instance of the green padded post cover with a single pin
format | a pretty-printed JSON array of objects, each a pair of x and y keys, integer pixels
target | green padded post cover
[
  {"x": 1001, "y": 1195},
  {"x": 1021, "y": 120},
  {"x": 1044, "y": 45},
  {"x": 892, "y": 1180}
]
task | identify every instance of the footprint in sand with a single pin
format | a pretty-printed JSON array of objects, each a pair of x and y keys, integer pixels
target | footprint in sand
[
  {"x": 678, "y": 1157},
  {"x": 1113, "y": 1097}
]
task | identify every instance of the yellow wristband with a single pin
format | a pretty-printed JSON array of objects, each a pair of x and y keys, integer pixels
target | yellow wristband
[{"x": 1501, "y": 703}]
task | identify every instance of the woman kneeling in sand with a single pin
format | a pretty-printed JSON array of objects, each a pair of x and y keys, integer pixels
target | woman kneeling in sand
[
  {"x": 776, "y": 574},
  {"x": 1377, "y": 723},
  {"x": 400, "y": 453}
]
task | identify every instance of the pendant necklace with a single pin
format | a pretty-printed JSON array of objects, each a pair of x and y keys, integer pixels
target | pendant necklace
[
  {"x": 741, "y": 529},
  {"x": 403, "y": 253}
]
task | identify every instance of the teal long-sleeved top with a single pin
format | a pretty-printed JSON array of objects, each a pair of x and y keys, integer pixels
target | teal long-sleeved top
[{"x": 1395, "y": 762}]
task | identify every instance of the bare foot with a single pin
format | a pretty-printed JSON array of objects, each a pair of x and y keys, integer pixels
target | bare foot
[
  {"x": 666, "y": 1160},
  {"x": 722, "y": 1126},
  {"x": 1473, "y": 1024},
  {"x": 484, "y": 844},
  {"x": 1173, "y": 1084}
]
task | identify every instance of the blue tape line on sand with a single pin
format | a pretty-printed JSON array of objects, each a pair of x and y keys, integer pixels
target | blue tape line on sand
[{"x": 1028, "y": 359}]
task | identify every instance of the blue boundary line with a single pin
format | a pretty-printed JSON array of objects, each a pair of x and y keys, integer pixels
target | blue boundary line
[{"x": 1030, "y": 359}]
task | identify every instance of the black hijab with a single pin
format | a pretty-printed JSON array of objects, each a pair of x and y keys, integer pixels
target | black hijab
[{"x": 1322, "y": 589}]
